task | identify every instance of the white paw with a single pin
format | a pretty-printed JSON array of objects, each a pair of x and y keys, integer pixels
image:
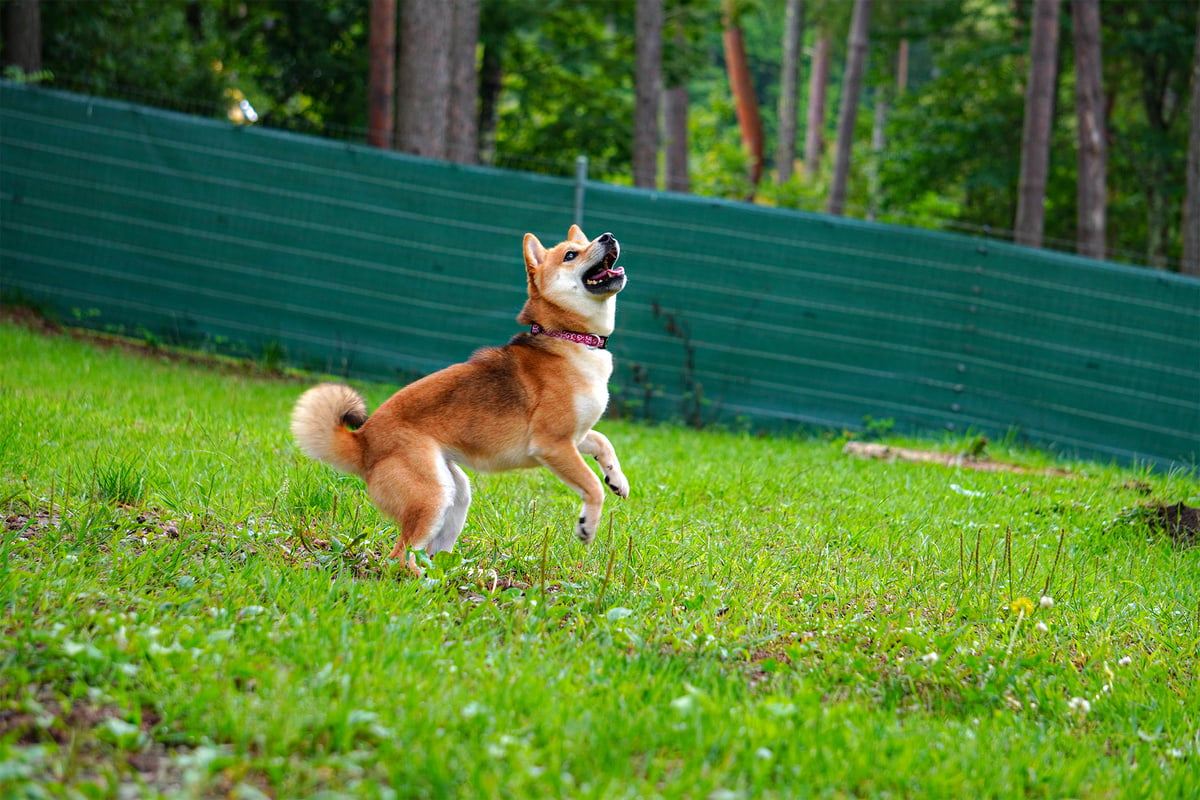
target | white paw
[
  {"x": 585, "y": 529},
  {"x": 616, "y": 481}
]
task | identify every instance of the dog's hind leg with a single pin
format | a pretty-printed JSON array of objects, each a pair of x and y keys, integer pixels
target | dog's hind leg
[
  {"x": 456, "y": 512},
  {"x": 596, "y": 444},
  {"x": 414, "y": 488}
]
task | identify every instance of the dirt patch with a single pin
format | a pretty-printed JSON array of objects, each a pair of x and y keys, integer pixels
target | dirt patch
[
  {"x": 45, "y": 718},
  {"x": 143, "y": 525},
  {"x": 1176, "y": 521},
  {"x": 86, "y": 731},
  {"x": 979, "y": 462},
  {"x": 28, "y": 525},
  {"x": 35, "y": 321},
  {"x": 27, "y": 317},
  {"x": 1180, "y": 522},
  {"x": 153, "y": 522}
]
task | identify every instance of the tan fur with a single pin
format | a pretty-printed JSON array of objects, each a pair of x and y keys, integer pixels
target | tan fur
[{"x": 532, "y": 402}]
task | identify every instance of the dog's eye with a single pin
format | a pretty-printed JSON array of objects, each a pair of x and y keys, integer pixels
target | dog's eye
[{"x": 570, "y": 255}]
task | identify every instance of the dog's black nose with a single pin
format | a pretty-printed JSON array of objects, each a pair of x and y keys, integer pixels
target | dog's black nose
[{"x": 606, "y": 238}]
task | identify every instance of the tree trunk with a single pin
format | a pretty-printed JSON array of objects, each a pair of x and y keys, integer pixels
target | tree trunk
[
  {"x": 879, "y": 125},
  {"x": 818, "y": 87},
  {"x": 1158, "y": 218},
  {"x": 462, "y": 116},
  {"x": 675, "y": 125},
  {"x": 193, "y": 12},
  {"x": 491, "y": 82},
  {"x": 648, "y": 24},
  {"x": 856, "y": 61},
  {"x": 745, "y": 98},
  {"x": 381, "y": 77},
  {"x": 1092, "y": 195},
  {"x": 1035, "y": 136},
  {"x": 789, "y": 91},
  {"x": 23, "y": 35},
  {"x": 423, "y": 78},
  {"x": 1191, "y": 203},
  {"x": 878, "y": 142}
]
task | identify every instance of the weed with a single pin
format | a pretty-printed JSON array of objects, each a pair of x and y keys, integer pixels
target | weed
[
  {"x": 874, "y": 429},
  {"x": 273, "y": 357},
  {"x": 120, "y": 482}
]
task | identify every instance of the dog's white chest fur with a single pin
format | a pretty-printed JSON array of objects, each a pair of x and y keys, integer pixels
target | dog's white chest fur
[{"x": 591, "y": 396}]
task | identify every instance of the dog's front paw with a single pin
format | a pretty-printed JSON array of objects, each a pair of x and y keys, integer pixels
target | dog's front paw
[
  {"x": 617, "y": 482},
  {"x": 585, "y": 529}
]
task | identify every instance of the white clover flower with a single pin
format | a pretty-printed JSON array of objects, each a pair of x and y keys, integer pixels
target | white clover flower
[
  {"x": 1079, "y": 705},
  {"x": 1125, "y": 661},
  {"x": 1046, "y": 601},
  {"x": 930, "y": 658},
  {"x": 1043, "y": 627}
]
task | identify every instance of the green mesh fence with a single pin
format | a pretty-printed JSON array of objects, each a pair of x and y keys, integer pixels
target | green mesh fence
[{"x": 372, "y": 264}]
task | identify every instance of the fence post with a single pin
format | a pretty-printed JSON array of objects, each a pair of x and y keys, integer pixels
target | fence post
[{"x": 581, "y": 171}]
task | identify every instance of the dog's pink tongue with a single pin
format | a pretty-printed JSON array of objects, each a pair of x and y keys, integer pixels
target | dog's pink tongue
[{"x": 614, "y": 271}]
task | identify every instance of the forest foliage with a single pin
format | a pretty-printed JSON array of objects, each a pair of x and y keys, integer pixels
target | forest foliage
[{"x": 556, "y": 80}]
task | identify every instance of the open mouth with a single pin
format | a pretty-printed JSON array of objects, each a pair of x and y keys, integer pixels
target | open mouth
[{"x": 605, "y": 274}]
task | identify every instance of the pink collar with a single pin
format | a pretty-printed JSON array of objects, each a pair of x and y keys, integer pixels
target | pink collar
[{"x": 590, "y": 339}]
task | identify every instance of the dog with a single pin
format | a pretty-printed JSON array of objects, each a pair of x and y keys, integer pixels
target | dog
[{"x": 529, "y": 403}]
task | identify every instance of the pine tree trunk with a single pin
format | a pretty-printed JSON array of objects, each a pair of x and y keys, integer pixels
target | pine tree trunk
[
  {"x": 675, "y": 126},
  {"x": 1158, "y": 218},
  {"x": 423, "y": 78},
  {"x": 744, "y": 96},
  {"x": 648, "y": 24},
  {"x": 193, "y": 12},
  {"x": 381, "y": 77},
  {"x": 1035, "y": 137},
  {"x": 1191, "y": 204},
  {"x": 491, "y": 82},
  {"x": 789, "y": 91},
  {"x": 818, "y": 89},
  {"x": 462, "y": 116},
  {"x": 23, "y": 35},
  {"x": 1092, "y": 195},
  {"x": 856, "y": 62},
  {"x": 878, "y": 142}
]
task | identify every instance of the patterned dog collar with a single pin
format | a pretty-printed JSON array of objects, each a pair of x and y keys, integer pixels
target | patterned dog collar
[{"x": 589, "y": 339}]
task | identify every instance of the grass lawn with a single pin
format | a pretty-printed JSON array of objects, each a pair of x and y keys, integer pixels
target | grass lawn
[{"x": 192, "y": 609}]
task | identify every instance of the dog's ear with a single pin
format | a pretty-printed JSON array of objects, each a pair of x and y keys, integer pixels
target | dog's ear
[
  {"x": 534, "y": 252},
  {"x": 576, "y": 234}
]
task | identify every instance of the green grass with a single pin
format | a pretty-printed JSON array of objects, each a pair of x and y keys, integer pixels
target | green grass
[{"x": 192, "y": 609}]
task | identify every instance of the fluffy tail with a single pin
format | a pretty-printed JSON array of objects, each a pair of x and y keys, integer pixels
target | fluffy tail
[{"x": 319, "y": 425}]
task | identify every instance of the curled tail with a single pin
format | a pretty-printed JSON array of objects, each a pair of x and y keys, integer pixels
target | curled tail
[{"x": 319, "y": 423}]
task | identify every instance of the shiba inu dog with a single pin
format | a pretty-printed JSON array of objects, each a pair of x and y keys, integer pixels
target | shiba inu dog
[{"x": 531, "y": 402}]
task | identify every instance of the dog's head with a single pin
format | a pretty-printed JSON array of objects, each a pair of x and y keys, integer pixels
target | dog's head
[{"x": 577, "y": 278}]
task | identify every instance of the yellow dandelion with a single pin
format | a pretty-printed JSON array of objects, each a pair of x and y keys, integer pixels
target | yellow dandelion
[{"x": 1022, "y": 605}]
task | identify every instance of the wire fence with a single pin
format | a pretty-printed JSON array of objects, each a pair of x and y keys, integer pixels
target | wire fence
[{"x": 345, "y": 259}]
